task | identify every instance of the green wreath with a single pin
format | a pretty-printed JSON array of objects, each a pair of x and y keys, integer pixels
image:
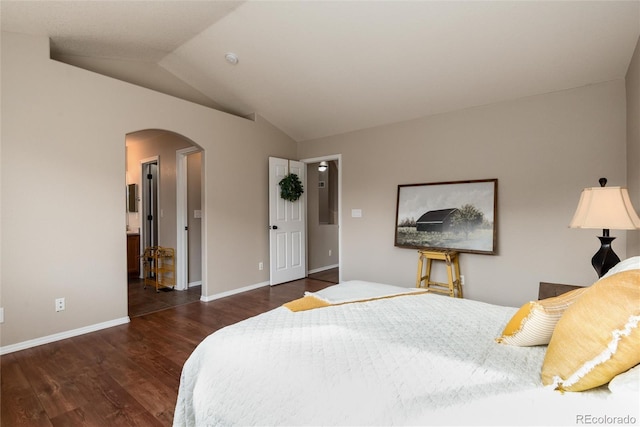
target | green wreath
[{"x": 291, "y": 187}]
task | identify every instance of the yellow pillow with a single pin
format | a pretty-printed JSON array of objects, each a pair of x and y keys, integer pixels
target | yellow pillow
[
  {"x": 533, "y": 324},
  {"x": 598, "y": 337},
  {"x": 307, "y": 302}
]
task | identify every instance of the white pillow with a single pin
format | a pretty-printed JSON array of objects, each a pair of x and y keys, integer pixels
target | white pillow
[
  {"x": 632, "y": 263},
  {"x": 626, "y": 382}
]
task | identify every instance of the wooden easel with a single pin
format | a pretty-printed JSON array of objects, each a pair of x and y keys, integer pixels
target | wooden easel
[{"x": 453, "y": 288}]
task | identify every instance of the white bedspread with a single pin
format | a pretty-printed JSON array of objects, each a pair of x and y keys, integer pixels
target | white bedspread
[
  {"x": 410, "y": 360},
  {"x": 357, "y": 290}
]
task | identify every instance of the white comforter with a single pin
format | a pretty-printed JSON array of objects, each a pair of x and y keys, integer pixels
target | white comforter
[{"x": 407, "y": 360}]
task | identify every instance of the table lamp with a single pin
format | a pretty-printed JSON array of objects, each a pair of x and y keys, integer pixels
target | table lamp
[{"x": 606, "y": 208}]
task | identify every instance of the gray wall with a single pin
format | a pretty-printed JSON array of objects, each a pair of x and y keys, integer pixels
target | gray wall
[
  {"x": 63, "y": 226},
  {"x": 543, "y": 150}
]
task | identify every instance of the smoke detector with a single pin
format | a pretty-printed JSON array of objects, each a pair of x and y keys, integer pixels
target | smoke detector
[{"x": 231, "y": 58}]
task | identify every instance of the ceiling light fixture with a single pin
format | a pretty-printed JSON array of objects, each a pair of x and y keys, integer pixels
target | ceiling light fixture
[
  {"x": 231, "y": 58},
  {"x": 323, "y": 166}
]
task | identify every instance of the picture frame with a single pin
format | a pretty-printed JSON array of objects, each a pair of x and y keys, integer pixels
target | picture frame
[{"x": 457, "y": 215}]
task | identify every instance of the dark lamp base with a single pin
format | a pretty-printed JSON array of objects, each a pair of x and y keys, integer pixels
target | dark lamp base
[{"x": 605, "y": 258}]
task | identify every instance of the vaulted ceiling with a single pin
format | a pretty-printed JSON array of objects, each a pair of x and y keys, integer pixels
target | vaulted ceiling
[{"x": 319, "y": 68}]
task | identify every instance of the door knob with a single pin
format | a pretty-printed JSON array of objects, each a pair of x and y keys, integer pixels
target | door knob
[{"x": 273, "y": 227}]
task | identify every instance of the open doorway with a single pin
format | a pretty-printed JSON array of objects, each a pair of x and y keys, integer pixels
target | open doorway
[
  {"x": 323, "y": 218},
  {"x": 151, "y": 167},
  {"x": 189, "y": 163}
]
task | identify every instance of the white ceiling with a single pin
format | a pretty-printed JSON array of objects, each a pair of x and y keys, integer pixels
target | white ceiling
[{"x": 319, "y": 68}]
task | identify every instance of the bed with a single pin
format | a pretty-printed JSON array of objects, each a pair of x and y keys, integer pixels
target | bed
[{"x": 363, "y": 353}]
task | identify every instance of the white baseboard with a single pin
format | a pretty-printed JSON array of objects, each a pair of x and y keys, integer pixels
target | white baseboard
[
  {"x": 233, "y": 292},
  {"x": 62, "y": 335},
  {"x": 194, "y": 284},
  {"x": 318, "y": 270}
]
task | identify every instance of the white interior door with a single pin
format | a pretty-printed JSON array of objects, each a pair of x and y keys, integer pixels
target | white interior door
[{"x": 287, "y": 225}]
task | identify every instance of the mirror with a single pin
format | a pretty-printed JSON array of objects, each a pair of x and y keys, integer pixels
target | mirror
[{"x": 132, "y": 197}]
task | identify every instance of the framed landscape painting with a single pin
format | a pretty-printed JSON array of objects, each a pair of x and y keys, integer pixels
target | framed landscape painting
[{"x": 458, "y": 216}]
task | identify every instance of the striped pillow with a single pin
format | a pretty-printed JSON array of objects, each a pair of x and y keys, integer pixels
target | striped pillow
[{"x": 534, "y": 322}]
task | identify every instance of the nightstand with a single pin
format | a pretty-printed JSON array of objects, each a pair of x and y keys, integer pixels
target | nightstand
[{"x": 548, "y": 290}]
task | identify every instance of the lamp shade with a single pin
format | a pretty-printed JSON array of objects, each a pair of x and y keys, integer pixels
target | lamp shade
[{"x": 606, "y": 208}]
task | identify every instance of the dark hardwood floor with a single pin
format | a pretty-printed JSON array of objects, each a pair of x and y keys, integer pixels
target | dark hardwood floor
[
  {"x": 127, "y": 375},
  {"x": 146, "y": 300},
  {"x": 332, "y": 275}
]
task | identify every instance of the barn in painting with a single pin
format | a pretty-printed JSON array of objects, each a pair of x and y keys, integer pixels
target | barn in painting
[{"x": 438, "y": 220}]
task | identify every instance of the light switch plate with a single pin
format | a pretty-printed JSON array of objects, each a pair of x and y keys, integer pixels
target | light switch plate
[{"x": 356, "y": 213}]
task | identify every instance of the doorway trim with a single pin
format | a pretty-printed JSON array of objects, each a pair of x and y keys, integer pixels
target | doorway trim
[
  {"x": 337, "y": 157},
  {"x": 182, "y": 217}
]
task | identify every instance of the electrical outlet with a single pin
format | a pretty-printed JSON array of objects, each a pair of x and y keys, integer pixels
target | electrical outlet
[
  {"x": 329, "y": 252},
  {"x": 60, "y": 305},
  {"x": 260, "y": 265},
  {"x": 1, "y": 314},
  {"x": 462, "y": 280}
]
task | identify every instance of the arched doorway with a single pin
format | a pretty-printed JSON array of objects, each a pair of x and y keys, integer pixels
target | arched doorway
[{"x": 162, "y": 208}]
